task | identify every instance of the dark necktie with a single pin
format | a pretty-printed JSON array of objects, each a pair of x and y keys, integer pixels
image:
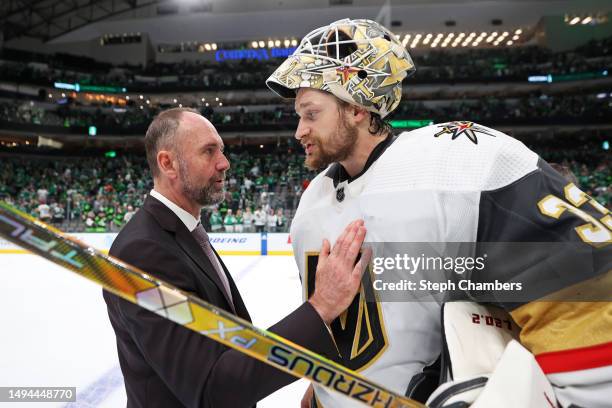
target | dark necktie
[{"x": 200, "y": 235}]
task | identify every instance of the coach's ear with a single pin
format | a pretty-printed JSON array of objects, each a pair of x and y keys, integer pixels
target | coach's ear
[{"x": 167, "y": 164}]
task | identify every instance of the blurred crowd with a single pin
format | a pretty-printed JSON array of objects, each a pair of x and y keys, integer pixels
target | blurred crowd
[
  {"x": 535, "y": 109},
  {"x": 95, "y": 194}
]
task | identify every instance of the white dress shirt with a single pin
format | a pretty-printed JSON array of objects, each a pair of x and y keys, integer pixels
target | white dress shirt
[{"x": 189, "y": 220}]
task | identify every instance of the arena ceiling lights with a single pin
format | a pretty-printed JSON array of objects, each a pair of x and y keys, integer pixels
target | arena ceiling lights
[
  {"x": 274, "y": 43},
  {"x": 461, "y": 39},
  {"x": 586, "y": 19},
  {"x": 426, "y": 40}
]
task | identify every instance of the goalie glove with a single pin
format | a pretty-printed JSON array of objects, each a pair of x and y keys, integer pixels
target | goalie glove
[{"x": 484, "y": 365}]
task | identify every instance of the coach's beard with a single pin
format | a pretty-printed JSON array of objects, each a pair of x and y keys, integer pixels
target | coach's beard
[{"x": 206, "y": 195}]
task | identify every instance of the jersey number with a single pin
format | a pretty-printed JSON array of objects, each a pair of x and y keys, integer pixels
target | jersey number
[
  {"x": 596, "y": 232},
  {"x": 359, "y": 331}
]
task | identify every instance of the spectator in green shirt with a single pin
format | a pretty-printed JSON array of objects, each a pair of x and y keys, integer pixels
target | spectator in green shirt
[
  {"x": 216, "y": 222},
  {"x": 239, "y": 227},
  {"x": 229, "y": 221}
]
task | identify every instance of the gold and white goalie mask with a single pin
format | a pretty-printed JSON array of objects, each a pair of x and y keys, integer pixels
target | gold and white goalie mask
[{"x": 358, "y": 61}]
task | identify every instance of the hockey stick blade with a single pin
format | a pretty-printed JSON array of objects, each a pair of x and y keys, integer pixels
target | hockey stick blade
[{"x": 191, "y": 312}]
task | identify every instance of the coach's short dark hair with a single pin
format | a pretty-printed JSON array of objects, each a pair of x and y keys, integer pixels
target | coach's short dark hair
[{"x": 160, "y": 134}]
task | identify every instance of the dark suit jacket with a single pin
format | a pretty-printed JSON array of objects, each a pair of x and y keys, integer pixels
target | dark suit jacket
[{"x": 166, "y": 365}]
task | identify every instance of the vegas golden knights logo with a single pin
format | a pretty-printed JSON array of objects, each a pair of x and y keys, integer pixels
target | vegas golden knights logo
[{"x": 359, "y": 332}]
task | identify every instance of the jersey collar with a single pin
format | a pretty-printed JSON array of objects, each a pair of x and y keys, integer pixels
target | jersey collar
[{"x": 338, "y": 174}]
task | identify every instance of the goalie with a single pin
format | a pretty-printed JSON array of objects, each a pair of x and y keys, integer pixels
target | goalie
[{"x": 451, "y": 182}]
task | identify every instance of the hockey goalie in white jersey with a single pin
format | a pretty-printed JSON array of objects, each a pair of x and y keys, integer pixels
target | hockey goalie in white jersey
[{"x": 452, "y": 182}]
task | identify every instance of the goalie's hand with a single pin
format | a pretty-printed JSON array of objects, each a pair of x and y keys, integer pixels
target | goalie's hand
[{"x": 338, "y": 277}]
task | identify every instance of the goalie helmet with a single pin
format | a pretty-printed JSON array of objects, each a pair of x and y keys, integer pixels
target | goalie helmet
[{"x": 358, "y": 61}]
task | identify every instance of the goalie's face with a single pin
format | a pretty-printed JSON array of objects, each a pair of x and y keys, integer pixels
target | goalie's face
[{"x": 324, "y": 129}]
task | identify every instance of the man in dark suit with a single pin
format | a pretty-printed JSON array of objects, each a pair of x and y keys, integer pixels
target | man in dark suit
[{"x": 164, "y": 364}]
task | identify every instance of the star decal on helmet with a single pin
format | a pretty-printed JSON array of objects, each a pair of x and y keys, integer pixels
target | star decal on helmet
[
  {"x": 458, "y": 128},
  {"x": 347, "y": 72}
]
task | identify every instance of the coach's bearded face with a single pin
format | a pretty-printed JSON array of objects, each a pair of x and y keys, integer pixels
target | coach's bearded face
[{"x": 204, "y": 191}]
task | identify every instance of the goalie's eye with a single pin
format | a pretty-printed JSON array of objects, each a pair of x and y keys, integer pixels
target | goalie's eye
[{"x": 346, "y": 47}]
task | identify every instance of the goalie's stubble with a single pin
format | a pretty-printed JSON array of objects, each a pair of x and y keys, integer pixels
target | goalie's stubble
[{"x": 336, "y": 147}]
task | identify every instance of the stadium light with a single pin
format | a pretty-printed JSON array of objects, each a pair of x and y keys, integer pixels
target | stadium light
[
  {"x": 254, "y": 44},
  {"x": 574, "y": 20},
  {"x": 262, "y": 44},
  {"x": 518, "y": 32},
  {"x": 587, "y": 20}
]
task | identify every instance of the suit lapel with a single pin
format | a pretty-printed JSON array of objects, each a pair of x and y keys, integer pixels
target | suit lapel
[{"x": 170, "y": 222}]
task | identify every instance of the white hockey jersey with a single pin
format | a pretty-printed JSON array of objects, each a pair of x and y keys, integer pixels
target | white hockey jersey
[{"x": 452, "y": 182}]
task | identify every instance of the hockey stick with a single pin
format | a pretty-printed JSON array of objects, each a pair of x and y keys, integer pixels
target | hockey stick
[{"x": 189, "y": 311}]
